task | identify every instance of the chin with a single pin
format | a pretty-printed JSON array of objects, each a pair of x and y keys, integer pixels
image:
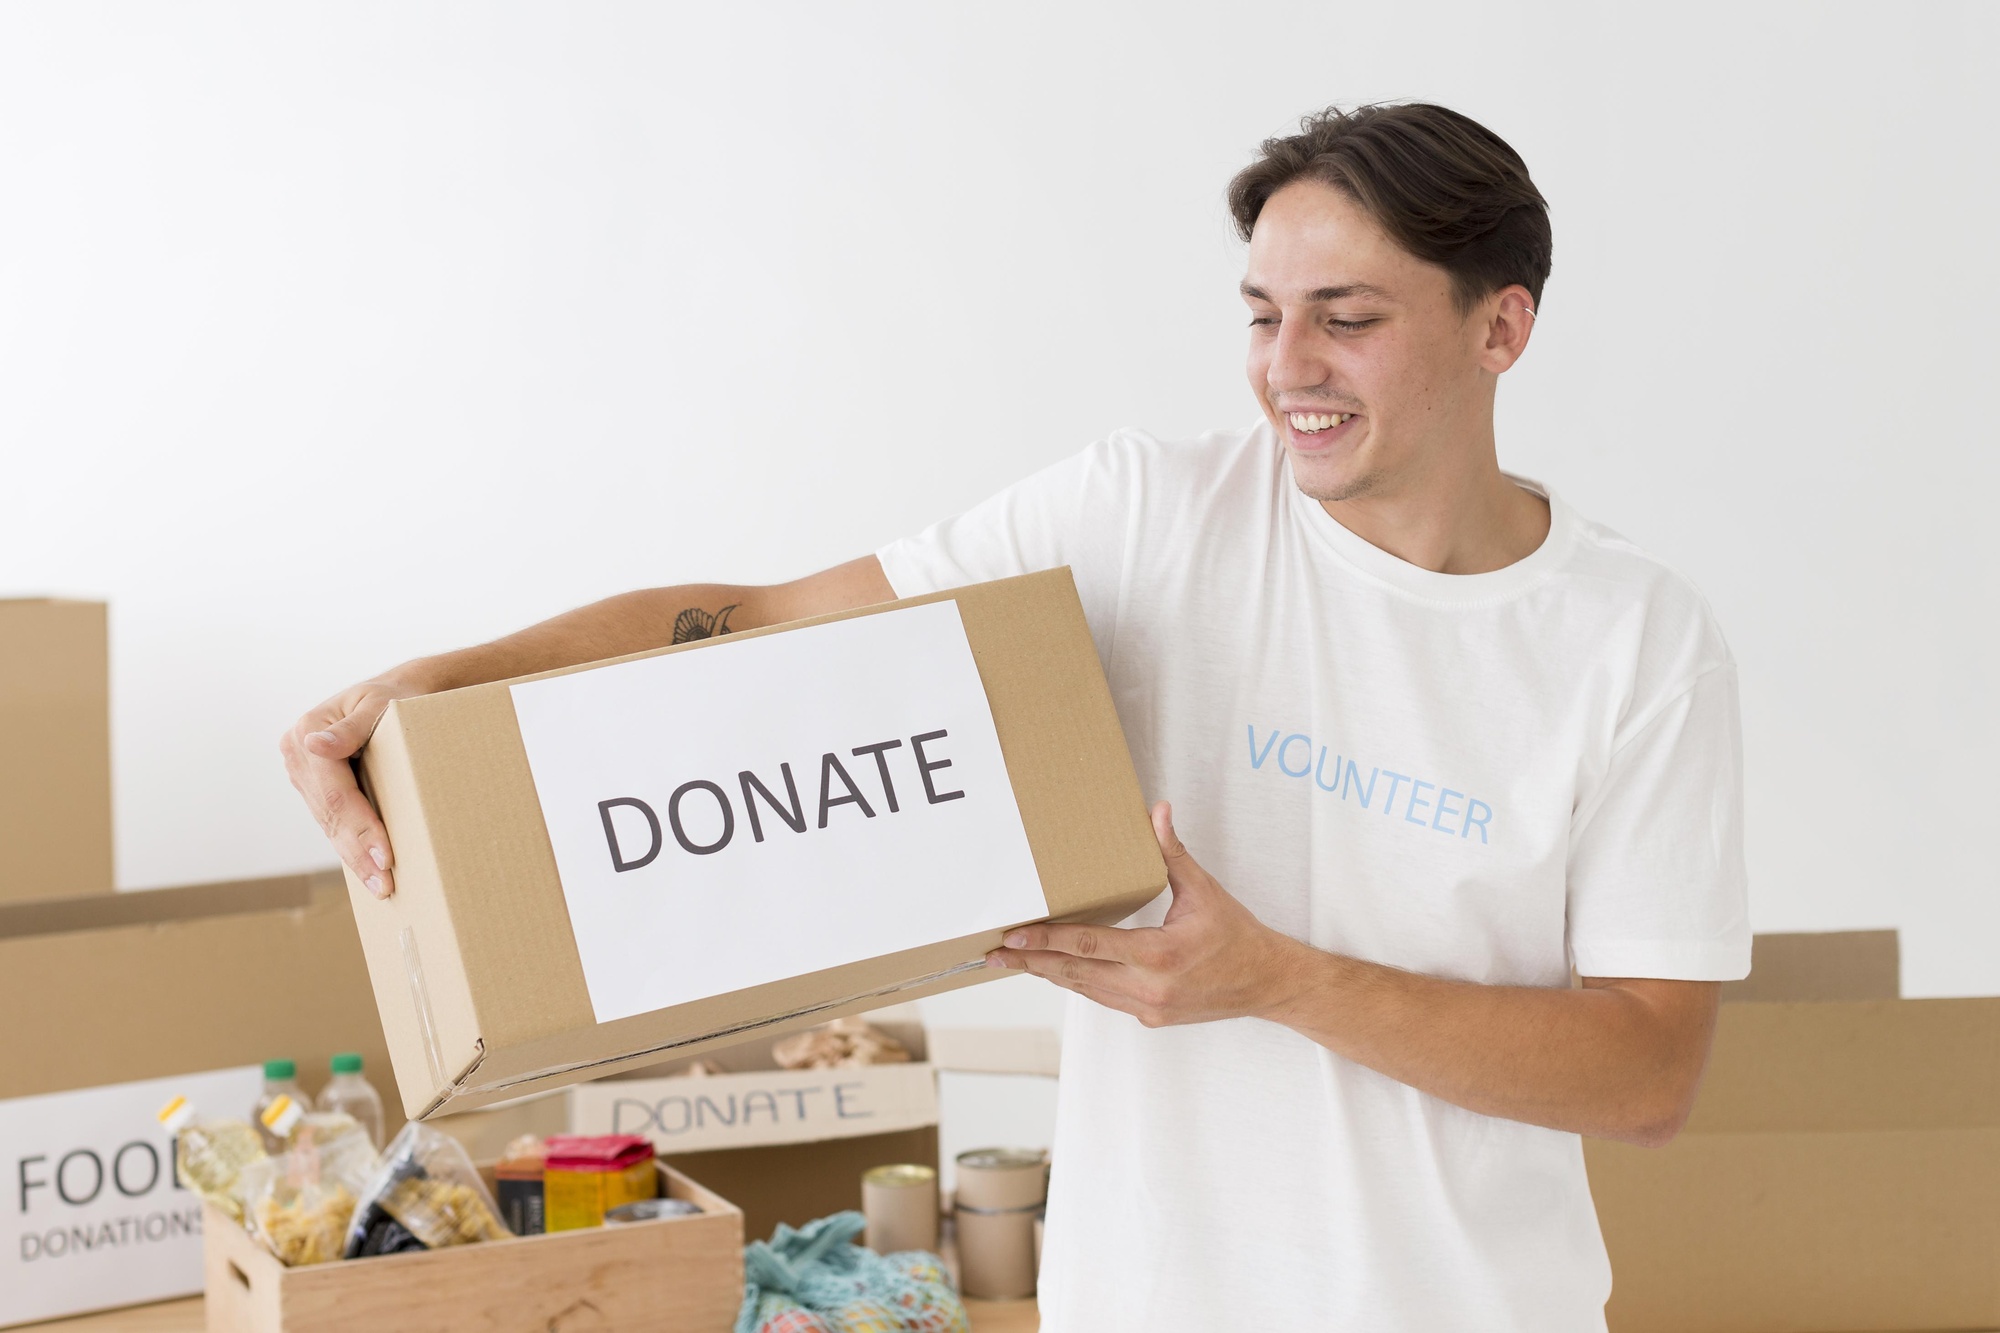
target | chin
[{"x": 1330, "y": 480}]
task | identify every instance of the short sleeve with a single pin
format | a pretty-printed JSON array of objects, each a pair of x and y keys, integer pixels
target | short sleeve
[
  {"x": 1072, "y": 513},
  {"x": 1657, "y": 886}
]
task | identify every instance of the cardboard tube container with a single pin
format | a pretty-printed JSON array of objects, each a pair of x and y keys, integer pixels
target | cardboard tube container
[
  {"x": 901, "y": 1204},
  {"x": 1000, "y": 1194}
]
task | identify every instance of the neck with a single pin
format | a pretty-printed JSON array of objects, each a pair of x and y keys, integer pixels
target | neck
[{"x": 1464, "y": 517}]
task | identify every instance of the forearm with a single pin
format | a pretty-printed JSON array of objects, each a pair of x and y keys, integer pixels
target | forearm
[
  {"x": 635, "y": 622},
  {"x": 1619, "y": 1060},
  {"x": 631, "y": 622}
]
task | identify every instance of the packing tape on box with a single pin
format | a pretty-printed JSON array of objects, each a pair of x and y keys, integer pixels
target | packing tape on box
[
  {"x": 420, "y": 998},
  {"x": 465, "y": 1083}
]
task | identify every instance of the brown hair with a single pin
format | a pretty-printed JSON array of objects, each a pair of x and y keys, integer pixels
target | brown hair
[{"x": 1446, "y": 188}]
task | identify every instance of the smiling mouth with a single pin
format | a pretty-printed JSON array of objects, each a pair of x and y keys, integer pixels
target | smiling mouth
[{"x": 1312, "y": 423}]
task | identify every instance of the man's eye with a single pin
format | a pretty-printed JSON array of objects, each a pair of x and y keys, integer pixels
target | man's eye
[
  {"x": 1352, "y": 325},
  {"x": 1257, "y": 320}
]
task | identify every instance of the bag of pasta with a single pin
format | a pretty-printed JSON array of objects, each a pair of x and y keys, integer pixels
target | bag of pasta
[
  {"x": 424, "y": 1195},
  {"x": 300, "y": 1203}
]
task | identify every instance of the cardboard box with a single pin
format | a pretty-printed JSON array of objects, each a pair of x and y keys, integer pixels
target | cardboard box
[
  {"x": 1841, "y": 1170},
  {"x": 55, "y": 786},
  {"x": 784, "y": 1145},
  {"x": 118, "y": 1001},
  {"x": 479, "y": 960},
  {"x": 677, "y": 1275}
]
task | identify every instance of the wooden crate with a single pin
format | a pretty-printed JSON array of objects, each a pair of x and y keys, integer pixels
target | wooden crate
[{"x": 674, "y": 1275}]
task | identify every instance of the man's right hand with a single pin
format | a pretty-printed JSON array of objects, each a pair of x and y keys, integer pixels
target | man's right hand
[{"x": 317, "y": 750}]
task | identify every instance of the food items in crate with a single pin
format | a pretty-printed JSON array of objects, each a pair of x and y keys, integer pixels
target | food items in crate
[
  {"x": 210, "y": 1154},
  {"x": 588, "y": 1175},
  {"x": 423, "y": 1195},
  {"x": 518, "y": 1181}
]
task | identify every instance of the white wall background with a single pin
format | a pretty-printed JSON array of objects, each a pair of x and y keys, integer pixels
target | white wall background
[{"x": 334, "y": 334}]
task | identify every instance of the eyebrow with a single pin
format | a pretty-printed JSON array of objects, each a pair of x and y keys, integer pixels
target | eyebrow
[{"x": 1340, "y": 293}]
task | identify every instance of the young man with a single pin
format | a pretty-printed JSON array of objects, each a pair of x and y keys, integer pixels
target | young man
[{"x": 1437, "y": 740}]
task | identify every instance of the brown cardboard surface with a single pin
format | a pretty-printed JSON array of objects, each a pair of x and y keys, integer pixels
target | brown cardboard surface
[
  {"x": 1840, "y": 1173},
  {"x": 146, "y": 985},
  {"x": 1825, "y": 965},
  {"x": 797, "y": 1182},
  {"x": 479, "y": 910},
  {"x": 55, "y": 782},
  {"x": 755, "y": 1103}
]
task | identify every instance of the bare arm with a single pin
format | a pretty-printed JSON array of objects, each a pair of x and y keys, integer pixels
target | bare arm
[
  {"x": 320, "y": 745},
  {"x": 1617, "y": 1059}
]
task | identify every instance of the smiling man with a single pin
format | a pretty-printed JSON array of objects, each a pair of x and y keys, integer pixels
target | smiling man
[{"x": 1434, "y": 743}]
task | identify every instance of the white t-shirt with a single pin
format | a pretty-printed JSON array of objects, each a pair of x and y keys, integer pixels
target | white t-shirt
[{"x": 1487, "y": 777}]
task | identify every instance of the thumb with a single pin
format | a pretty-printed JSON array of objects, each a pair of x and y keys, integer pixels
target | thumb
[
  {"x": 1184, "y": 873},
  {"x": 344, "y": 737}
]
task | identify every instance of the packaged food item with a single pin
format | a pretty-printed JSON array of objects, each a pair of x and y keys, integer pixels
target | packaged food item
[
  {"x": 585, "y": 1176},
  {"x": 424, "y": 1194},
  {"x": 299, "y": 1203},
  {"x": 348, "y": 1093},
  {"x": 518, "y": 1181},
  {"x": 650, "y": 1210},
  {"x": 901, "y": 1205},
  {"x": 210, "y": 1154},
  {"x": 281, "y": 1079},
  {"x": 841, "y": 1044}
]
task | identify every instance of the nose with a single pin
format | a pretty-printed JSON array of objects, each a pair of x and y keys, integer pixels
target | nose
[{"x": 1294, "y": 364}]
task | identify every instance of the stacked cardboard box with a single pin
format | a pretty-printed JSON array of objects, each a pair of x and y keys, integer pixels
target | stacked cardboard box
[
  {"x": 55, "y": 781},
  {"x": 1841, "y": 1171}
]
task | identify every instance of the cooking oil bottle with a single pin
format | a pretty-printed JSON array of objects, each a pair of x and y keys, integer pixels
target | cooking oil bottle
[{"x": 210, "y": 1154}]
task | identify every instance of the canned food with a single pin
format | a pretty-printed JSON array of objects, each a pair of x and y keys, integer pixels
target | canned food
[
  {"x": 902, "y": 1176},
  {"x": 901, "y": 1205},
  {"x": 649, "y": 1210},
  {"x": 1002, "y": 1159}
]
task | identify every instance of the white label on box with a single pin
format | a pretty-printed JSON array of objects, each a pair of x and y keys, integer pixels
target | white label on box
[
  {"x": 760, "y": 1107},
  {"x": 93, "y": 1215},
  {"x": 761, "y": 808}
]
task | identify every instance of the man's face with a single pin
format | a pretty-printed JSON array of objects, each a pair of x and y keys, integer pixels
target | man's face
[{"x": 1358, "y": 354}]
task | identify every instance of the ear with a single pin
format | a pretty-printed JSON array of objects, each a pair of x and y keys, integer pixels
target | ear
[{"x": 1508, "y": 316}]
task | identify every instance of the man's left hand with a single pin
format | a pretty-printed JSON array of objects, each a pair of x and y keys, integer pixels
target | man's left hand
[{"x": 1210, "y": 958}]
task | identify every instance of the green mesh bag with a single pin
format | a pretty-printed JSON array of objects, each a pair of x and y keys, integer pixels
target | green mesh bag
[{"x": 816, "y": 1280}]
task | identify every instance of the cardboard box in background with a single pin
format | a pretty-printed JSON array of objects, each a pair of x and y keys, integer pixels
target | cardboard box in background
[
  {"x": 474, "y": 960},
  {"x": 784, "y": 1145},
  {"x": 55, "y": 783},
  {"x": 163, "y": 985},
  {"x": 1841, "y": 1170}
]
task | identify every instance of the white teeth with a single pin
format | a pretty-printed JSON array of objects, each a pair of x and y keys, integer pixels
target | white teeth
[{"x": 1311, "y": 422}]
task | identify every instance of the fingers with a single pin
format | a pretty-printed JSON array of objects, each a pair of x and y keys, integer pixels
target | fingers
[
  {"x": 1108, "y": 942},
  {"x": 1062, "y": 968},
  {"x": 355, "y": 830},
  {"x": 316, "y": 759}
]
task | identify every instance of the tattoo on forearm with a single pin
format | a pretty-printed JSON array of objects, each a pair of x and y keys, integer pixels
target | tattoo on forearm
[{"x": 695, "y": 623}]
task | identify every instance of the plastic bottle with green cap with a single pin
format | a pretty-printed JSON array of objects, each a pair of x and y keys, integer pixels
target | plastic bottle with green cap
[
  {"x": 281, "y": 1079},
  {"x": 350, "y": 1094}
]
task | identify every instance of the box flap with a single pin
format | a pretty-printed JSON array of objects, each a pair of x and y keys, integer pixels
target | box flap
[
  {"x": 56, "y": 916},
  {"x": 1823, "y": 965}
]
